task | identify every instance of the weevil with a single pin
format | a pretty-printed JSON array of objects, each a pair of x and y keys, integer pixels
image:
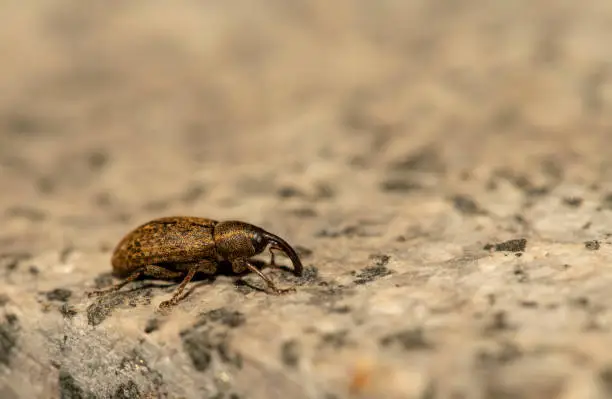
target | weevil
[{"x": 171, "y": 247}]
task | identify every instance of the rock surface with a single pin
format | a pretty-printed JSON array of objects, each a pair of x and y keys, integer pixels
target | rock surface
[{"x": 443, "y": 168}]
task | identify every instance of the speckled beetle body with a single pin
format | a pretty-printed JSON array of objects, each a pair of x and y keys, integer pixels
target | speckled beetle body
[{"x": 171, "y": 247}]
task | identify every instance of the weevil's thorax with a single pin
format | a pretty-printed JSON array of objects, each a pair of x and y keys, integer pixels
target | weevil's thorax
[{"x": 234, "y": 239}]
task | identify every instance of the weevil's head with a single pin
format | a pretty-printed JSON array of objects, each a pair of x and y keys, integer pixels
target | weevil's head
[{"x": 235, "y": 239}]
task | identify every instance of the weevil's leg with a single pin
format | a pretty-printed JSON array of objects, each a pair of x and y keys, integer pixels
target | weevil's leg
[
  {"x": 273, "y": 246},
  {"x": 271, "y": 286},
  {"x": 176, "y": 297},
  {"x": 118, "y": 286},
  {"x": 150, "y": 271}
]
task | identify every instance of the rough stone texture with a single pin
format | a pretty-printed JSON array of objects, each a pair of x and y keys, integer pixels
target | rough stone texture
[{"x": 443, "y": 167}]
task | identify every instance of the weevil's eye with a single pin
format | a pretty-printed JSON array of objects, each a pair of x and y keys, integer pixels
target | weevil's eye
[{"x": 259, "y": 241}]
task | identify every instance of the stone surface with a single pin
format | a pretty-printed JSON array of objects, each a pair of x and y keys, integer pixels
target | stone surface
[{"x": 443, "y": 168}]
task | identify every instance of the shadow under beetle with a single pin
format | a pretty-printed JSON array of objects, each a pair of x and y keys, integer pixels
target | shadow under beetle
[{"x": 171, "y": 247}]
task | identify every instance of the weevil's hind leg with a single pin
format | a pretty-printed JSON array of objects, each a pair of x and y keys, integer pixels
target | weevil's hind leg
[
  {"x": 271, "y": 286},
  {"x": 149, "y": 271},
  {"x": 119, "y": 285},
  {"x": 176, "y": 297}
]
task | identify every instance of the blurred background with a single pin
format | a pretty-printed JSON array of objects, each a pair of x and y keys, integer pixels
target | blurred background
[
  {"x": 117, "y": 103},
  {"x": 423, "y": 129}
]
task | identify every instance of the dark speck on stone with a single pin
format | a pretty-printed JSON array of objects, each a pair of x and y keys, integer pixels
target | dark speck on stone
[
  {"x": 579, "y": 302},
  {"x": 340, "y": 309},
  {"x": 606, "y": 202},
  {"x": 592, "y": 245},
  {"x": 4, "y": 299},
  {"x": 290, "y": 353},
  {"x": 370, "y": 274},
  {"x": 466, "y": 205},
  {"x": 59, "y": 294},
  {"x": 12, "y": 260},
  {"x": 26, "y": 212},
  {"x": 303, "y": 212},
  {"x": 516, "y": 245},
  {"x": 229, "y": 318},
  {"x": 67, "y": 311},
  {"x": 399, "y": 185},
  {"x": 45, "y": 185},
  {"x": 573, "y": 202},
  {"x": 605, "y": 376},
  {"x": 152, "y": 325},
  {"x": 303, "y": 252},
  {"x": 336, "y": 339},
  {"x": 193, "y": 193},
  {"x": 289, "y": 192},
  {"x": 324, "y": 191},
  {"x": 65, "y": 254},
  {"x": 379, "y": 259},
  {"x": 506, "y": 353},
  {"x": 408, "y": 339},
  {"x": 425, "y": 160},
  {"x": 529, "y": 304},
  {"x": 97, "y": 159},
  {"x": 552, "y": 168},
  {"x": 499, "y": 322}
]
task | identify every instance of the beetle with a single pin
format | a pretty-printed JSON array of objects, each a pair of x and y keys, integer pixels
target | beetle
[{"x": 168, "y": 248}]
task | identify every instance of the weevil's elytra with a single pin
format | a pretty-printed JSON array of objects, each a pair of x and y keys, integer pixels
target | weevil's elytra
[{"x": 168, "y": 248}]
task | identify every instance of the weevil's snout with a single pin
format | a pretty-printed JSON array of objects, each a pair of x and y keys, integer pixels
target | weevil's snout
[
  {"x": 287, "y": 249},
  {"x": 234, "y": 239}
]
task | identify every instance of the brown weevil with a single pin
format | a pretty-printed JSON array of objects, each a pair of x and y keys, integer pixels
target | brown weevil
[{"x": 168, "y": 248}]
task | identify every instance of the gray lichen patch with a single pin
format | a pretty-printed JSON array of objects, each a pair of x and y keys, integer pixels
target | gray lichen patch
[
  {"x": 593, "y": 245},
  {"x": 467, "y": 205},
  {"x": 69, "y": 388},
  {"x": 377, "y": 270},
  {"x": 105, "y": 305},
  {"x": 290, "y": 353},
  {"x": 59, "y": 294},
  {"x": 409, "y": 339},
  {"x": 9, "y": 334},
  {"x": 127, "y": 390},
  {"x": 221, "y": 316},
  {"x": 208, "y": 339}
]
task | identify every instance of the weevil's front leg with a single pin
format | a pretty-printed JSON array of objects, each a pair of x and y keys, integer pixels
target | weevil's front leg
[
  {"x": 242, "y": 264},
  {"x": 272, "y": 260}
]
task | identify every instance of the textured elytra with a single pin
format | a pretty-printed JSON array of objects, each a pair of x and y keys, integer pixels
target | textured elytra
[{"x": 165, "y": 240}]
